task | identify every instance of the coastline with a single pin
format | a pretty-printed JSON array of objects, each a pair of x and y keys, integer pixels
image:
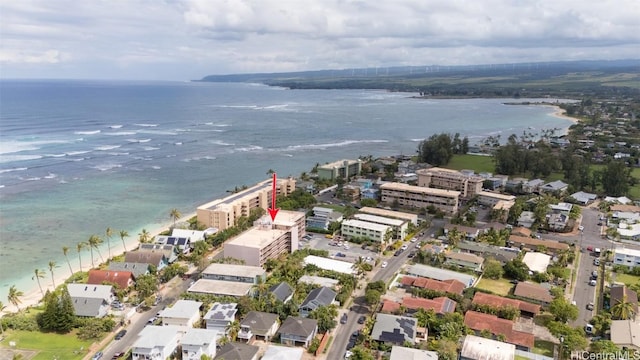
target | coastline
[
  {"x": 33, "y": 296},
  {"x": 562, "y": 114}
]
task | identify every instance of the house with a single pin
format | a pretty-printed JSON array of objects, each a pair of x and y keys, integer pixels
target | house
[
  {"x": 440, "y": 305},
  {"x": 235, "y": 273},
  {"x": 181, "y": 244},
  {"x": 275, "y": 352},
  {"x": 478, "y": 322},
  {"x": 220, "y": 316},
  {"x": 237, "y": 351},
  {"x": 282, "y": 291},
  {"x": 521, "y": 231},
  {"x": 157, "y": 342},
  {"x": 620, "y": 293},
  {"x": 198, "y": 342},
  {"x": 500, "y": 302},
  {"x": 261, "y": 325},
  {"x": 557, "y": 222},
  {"x": 182, "y": 313},
  {"x": 487, "y": 251},
  {"x": 584, "y": 198},
  {"x": 626, "y": 334},
  {"x": 555, "y": 187},
  {"x": 192, "y": 235},
  {"x": 480, "y": 348},
  {"x": 451, "y": 286},
  {"x": 322, "y": 296},
  {"x": 537, "y": 262},
  {"x": 296, "y": 331},
  {"x": 153, "y": 258},
  {"x": 318, "y": 280},
  {"x": 221, "y": 288},
  {"x": 170, "y": 252},
  {"x": 526, "y": 219},
  {"x": 469, "y": 232},
  {"x": 431, "y": 272},
  {"x": 322, "y": 217},
  {"x": 464, "y": 260},
  {"x": 90, "y": 300},
  {"x": 529, "y": 243},
  {"x": 137, "y": 269},
  {"x": 627, "y": 257},
  {"x": 532, "y": 186},
  {"x": 122, "y": 279},
  {"x": 533, "y": 292},
  {"x": 404, "y": 353},
  {"x": 340, "y": 266},
  {"x": 392, "y": 329}
]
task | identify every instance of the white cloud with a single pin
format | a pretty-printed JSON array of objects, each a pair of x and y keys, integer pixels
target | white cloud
[{"x": 182, "y": 39}]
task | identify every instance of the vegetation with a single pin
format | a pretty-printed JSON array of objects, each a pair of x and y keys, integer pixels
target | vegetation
[
  {"x": 49, "y": 345},
  {"x": 58, "y": 315},
  {"x": 438, "y": 149}
]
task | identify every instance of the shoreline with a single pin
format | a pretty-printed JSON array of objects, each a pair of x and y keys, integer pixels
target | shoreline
[{"x": 33, "y": 296}]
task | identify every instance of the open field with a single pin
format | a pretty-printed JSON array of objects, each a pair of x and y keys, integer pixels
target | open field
[
  {"x": 627, "y": 279},
  {"x": 543, "y": 347},
  {"x": 477, "y": 163},
  {"x": 498, "y": 287},
  {"x": 47, "y": 345}
]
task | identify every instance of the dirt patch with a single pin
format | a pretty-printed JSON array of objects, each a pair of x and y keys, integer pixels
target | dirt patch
[{"x": 6, "y": 354}]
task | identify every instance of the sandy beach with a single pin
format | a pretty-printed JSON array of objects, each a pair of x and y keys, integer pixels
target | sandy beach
[
  {"x": 33, "y": 295},
  {"x": 562, "y": 114}
]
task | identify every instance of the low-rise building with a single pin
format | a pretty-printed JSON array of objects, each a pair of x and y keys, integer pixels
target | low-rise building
[
  {"x": 503, "y": 255},
  {"x": 480, "y": 348},
  {"x": 322, "y": 217},
  {"x": 155, "y": 258},
  {"x": 322, "y": 296},
  {"x": 235, "y": 273},
  {"x": 341, "y": 169},
  {"x": 440, "y": 178},
  {"x": 431, "y": 272},
  {"x": 90, "y": 300},
  {"x": 275, "y": 352},
  {"x": 626, "y": 257},
  {"x": 550, "y": 246},
  {"x": 537, "y": 262},
  {"x": 237, "y": 351},
  {"x": 298, "y": 331},
  {"x": 364, "y": 229},
  {"x": 220, "y": 316},
  {"x": 392, "y": 329},
  {"x": 626, "y": 334},
  {"x": 258, "y": 325},
  {"x": 221, "y": 288},
  {"x": 170, "y": 252},
  {"x": 330, "y": 264},
  {"x": 399, "y": 226},
  {"x": 282, "y": 291},
  {"x": 418, "y": 197},
  {"x": 198, "y": 342},
  {"x": 526, "y": 219},
  {"x": 620, "y": 293},
  {"x": 485, "y": 322},
  {"x": 584, "y": 198},
  {"x": 157, "y": 342},
  {"x": 182, "y": 313},
  {"x": 404, "y": 353},
  {"x": 440, "y": 305},
  {"x": 557, "y": 187},
  {"x": 137, "y": 269},
  {"x": 533, "y": 292},
  {"x": 412, "y": 218},
  {"x": 491, "y": 198},
  {"x": 469, "y": 232},
  {"x": 451, "y": 286},
  {"x": 464, "y": 260},
  {"x": 122, "y": 279},
  {"x": 500, "y": 302}
]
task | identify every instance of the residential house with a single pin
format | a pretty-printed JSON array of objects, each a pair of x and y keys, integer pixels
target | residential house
[
  {"x": 235, "y": 273},
  {"x": 180, "y": 244},
  {"x": 275, "y": 352},
  {"x": 521, "y": 231},
  {"x": 533, "y": 292},
  {"x": 536, "y": 262},
  {"x": 464, "y": 260},
  {"x": 153, "y": 258},
  {"x": 198, "y": 342},
  {"x": 121, "y": 279},
  {"x": 192, "y": 235},
  {"x": 220, "y": 316},
  {"x": 404, "y": 353},
  {"x": 261, "y": 325},
  {"x": 499, "y": 302},
  {"x": 90, "y": 300},
  {"x": 440, "y": 305},
  {"x": 627, "y": 257},
  {"x": 624, "y": 334},
  {"x": 170, "y": 252},
  {"x": 340, "y": 266},
  {"x": 557, "y": 187},
  {"x": 532, "y": 186},
  {"x": 282, "y": 291},
  {"x": 137, "y": 269},
  {"x": 526, "y": 219},
  {"x": 469, "y": 232},
  {"x": 157, "y": 342},
  {"x": 480, "y": 348},
  {"x": 322, "y": 217},
  {"x": 478, "y": 322},
  {"x": 182, "y": 313},
  {"x": 529, "y": 243},
  {"x": 488, "y": 251},
  {"x": 322, "y": 296},
  {"x": 237, "y": 351},
  {"x": 450, "y": 286},
  {"x": 584, "y": 198},
  {"x": 557, "y": 222},
  {"x": 435, "y": 273},
  {"x": 392, "y": 329},
  {"x": 221, "y": 288},
  {"x": 297, "y": 331},
  {"x": 620, "y": 293}
]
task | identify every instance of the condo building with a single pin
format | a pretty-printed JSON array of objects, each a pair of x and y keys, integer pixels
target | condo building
[
  {"x": 223, "y": 213},
  {"x": 340, "y": 169},
  {"x": 413, "y": 218},
  {"x": 420, "y": 197},
  {"x": 446, "y": 179},
  {"x": 364, "y": 229},
  {"x": 399, "y": 227}
]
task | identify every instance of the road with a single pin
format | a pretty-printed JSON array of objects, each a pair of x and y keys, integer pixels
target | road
[{"x": 343, "y": 333}]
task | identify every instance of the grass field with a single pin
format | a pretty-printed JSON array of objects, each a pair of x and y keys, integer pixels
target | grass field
[
  {"x": 498, "y": 287},
  {"x": 47, "y": 345},
  {"x": 477, "y": 163},
  {"x": 627, "y": 279},
  {"x": 543, "y": 347}
]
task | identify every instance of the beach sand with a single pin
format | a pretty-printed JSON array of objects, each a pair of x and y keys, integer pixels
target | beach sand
[
  {"x": 562, "y": 114},
  {"x": 33, "y": 296}
]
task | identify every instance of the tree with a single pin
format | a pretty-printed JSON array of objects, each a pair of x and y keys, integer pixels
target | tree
[
  {"x": 58, "y": 314},
  {"x": 175, "y": 215},
  {"x": 94, "y": 243},
  {"x": 623, "y": 309},
  {"x": 145, "y": 237},
  {"x": 38, "y": 274},
  {"x": 562, "y": 310},
  {"x": 232, "y": 330},
  {"x": 436, "y": 150},
  {"x": 493, "y": 269},
  {"x": 372, "y": 297},
  {"x": 360, "y": 265},
  {"x": 516, "y": 269},
  {"x": 124, "y": 234},
  {"x": 109, "y": 233},
  {"x": 2, "y": 307},
  {"x": 65, "y": 251},
  {"x": 615, "y": 178},
  {"x": 52, "y": 265},
  {"x": 14, "y": 296},
  {"x": 326, "y": 317},
  {"x": 361, "y": 353},
  {"x": 446, "y": 349},
  {"x": 146, "y": 285},
  {"x": 79, "y": 246},
  {"x": 604, "y": 347}
]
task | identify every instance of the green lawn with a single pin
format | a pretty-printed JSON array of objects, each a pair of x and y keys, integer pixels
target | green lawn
[
  {"x": 48, "y": 345},
  {"x": 627, "y": 279},
  {"x": 498, "y": 287},
  {"x": 477, "y": 163},
  {"x": 543, "y": 347}
]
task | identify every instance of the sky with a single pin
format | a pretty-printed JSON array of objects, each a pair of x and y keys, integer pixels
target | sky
[{"x": 189, "y": 39}]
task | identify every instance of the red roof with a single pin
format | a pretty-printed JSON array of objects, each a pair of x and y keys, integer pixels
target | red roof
[
  {"x": 121, "y": 278},
  {"x": 439, "y": 305},
  {"x": 450, "y": 286},
  {"x": 479, "y": 321},
  {"x": 481, "y": 298},
  {"x": 389, "y": 306}
]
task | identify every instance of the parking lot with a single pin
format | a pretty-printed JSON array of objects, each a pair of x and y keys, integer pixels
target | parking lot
[{"x": 345, "y": 251}]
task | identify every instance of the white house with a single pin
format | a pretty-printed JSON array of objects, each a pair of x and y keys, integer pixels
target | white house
[
  {"x": 220, "y": 316},
  {"x": 537, "y": 262},
  {"x": 627, "y": 257},
  {"x": 183, "y": 313},
  {"x": 198, "y": 342},
  {"x": 157, "y": 342}
]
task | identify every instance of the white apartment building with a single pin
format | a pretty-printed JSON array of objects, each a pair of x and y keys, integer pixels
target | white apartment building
[
  {"x": 364, "y": 229},
  {"x": 420, "y": 197},
  {"x": 446, "y": 179},
  {"x": 627, "y": 257},
  {"x": 412, "y": 218},
  {"x": 399, "y": 227}
]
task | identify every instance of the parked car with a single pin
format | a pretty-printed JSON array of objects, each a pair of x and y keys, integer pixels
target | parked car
[
  {"x": 346, "y": 247},
  {"x": 404, "y": 247},
  {"x": 97, "y": 356},
  {"x": 581, "y": 228},
  {"x": 590, "y": 306},
  {"x": 340, "y": 255},
  {"x": 596, "y": 262},
  {"x": 117, "y": 355},
  {"x": 384, "y": 264},
  {"x": 344, "y": 318},
  {"x": 152, "y": 320},
  {"x": 120, "y": 334},
  {"x": 588, "y": 329},
  {"x": 414, "y": 239},
  {"x": 592, "y": 282},
  {"x": 362, "y": 319},
  {"x": 398, "y": 252}
]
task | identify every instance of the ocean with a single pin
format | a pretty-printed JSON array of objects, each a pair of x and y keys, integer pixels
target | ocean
[{"x": 77, "y": 157}]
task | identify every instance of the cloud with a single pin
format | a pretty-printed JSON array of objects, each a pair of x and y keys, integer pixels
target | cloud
[{"x": 182, "y": 39}]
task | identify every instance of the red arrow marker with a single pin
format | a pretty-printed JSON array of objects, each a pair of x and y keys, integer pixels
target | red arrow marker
[{"x": 273, "y": 211}]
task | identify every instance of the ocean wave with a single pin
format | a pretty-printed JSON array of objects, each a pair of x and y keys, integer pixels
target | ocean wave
[
  {"x": 105, "y": 167},
  {"x": 222, "y": 143},
  {"x": 217, "y": 125},
  {"x": 107, "y": 147},
  {"x": 150, "y": 148},
  {"x": 74, "y": 153},
  {"x": 121, "y": 133},
  {"x": 13, "y": 169},
  {"x": 16, "y": 146},
  {"x": 138, "y": 140},
  {"x": 75, "y": 159},
  {"x": 156, "y": 167},
  {"x": 55, "y": 155},
  {"x": 51, "y": 176},
  {"x": 330, "y": 145},
  {"x": 14, "y": 158},
  {"x": 35, "y": 178},
  {"x": 178, "y": 143},
  {"x": 146, "y": 125},
  {"x": 115, "y": 126},
  {"x": 237, "y": 106},
  {"x": 91, "y": 132},
  {"x": 249, "y": 148},
  {"x": 158, "y": 132},
  {"x": 118, "y": 153},
  {"x": 200, "y": 158}
]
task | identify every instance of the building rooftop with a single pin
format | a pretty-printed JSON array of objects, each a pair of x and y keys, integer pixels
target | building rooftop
[
  {"x": 493, "y": 195},
  {"x": 479, "y": 321},
  {"x": 282, "y": 291},
  {"x": 549, "y": 244},
  {"x": 157, "y": 336},
  {"x": 90, "y": 291},
  {"x": 182, "y": 309},
  {"x": 338, "y": 164},
  {"x": 404, "y": 353},
  {"x": 502, "y": 302},
  {"x": 394, "y": 329},
  {"x": 627, "y": 251},
  {"x": 120, "y": 278},
  {"x": 259, "y": 322},
  {"x": 220, "y": 287},
  {"x": 475, "y": 259},
  {"x": 330, "y": 264},
  {"x": 200, "y": 337},
  {"x": 298, "y": 326},
  {"x": 390, "y": 213},
  {"x": 536, "y": 261},
  {"x": 625, "y": 333},
  {"x": 452, "y": 286},
  {"x": 318, "y": 280},
  {"x": 222, "y": 312},
  {"x": 237, "y": 351},
  {"x": 532, "y": 291},
  {"x": 379, "y": 219},
  {"x": 440, "y": 274},
  {"x": 476, "y": 347},
  {"x": 366, "y": 225},
  {"x": 322, "y": 296},
  {"x": 420, "y": 189},
  {"x": 234, "y": 270},
  {"x": 136, "y": 269},
  {"x": 275, "y": 352},
  {"x": 257, "y": 237}
]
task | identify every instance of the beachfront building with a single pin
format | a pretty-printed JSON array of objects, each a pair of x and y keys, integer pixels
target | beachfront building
[
  {"x": 440, "y": 178},
  {"x": 267, "y": 239},
  {"x": 420, "y": 197},
  {"x": 365, "y": 229},
  {"x": 235, "y": 273},
  {"x": 626, "y": 257},
  {"x": 340, "y": 169},
  {"x": 224, "y": 213},
  {"x": 399, "y": 227},
  {"x": 412, "y": 218},
  {"x": 90, "y": 300}
]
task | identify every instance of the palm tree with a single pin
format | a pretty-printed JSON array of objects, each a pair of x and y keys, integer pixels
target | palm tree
[
  {"x": 2, "y": 307},
  {"x": 94, "y": 243},
  {"x": 359, "y": 265},
  {"x": 81, "y": 245},
  {"x": 144, "y": 236},
  {"x": 124, "y": 234},
  {"x": 38, "y": 274},
  {"x": 623, "y": 310},
  {"x": 65, "y": 251},
  {"x": 14, "y": 296},
  {"x": 232, "y": 330},
  {"x": 175, "y": 215},
  {"x": 52, "y": 265},
  {"x": 109, "y": 233}
]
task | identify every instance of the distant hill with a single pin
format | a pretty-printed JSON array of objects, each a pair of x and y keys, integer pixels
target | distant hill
[{"x": 575, "y": 78}]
